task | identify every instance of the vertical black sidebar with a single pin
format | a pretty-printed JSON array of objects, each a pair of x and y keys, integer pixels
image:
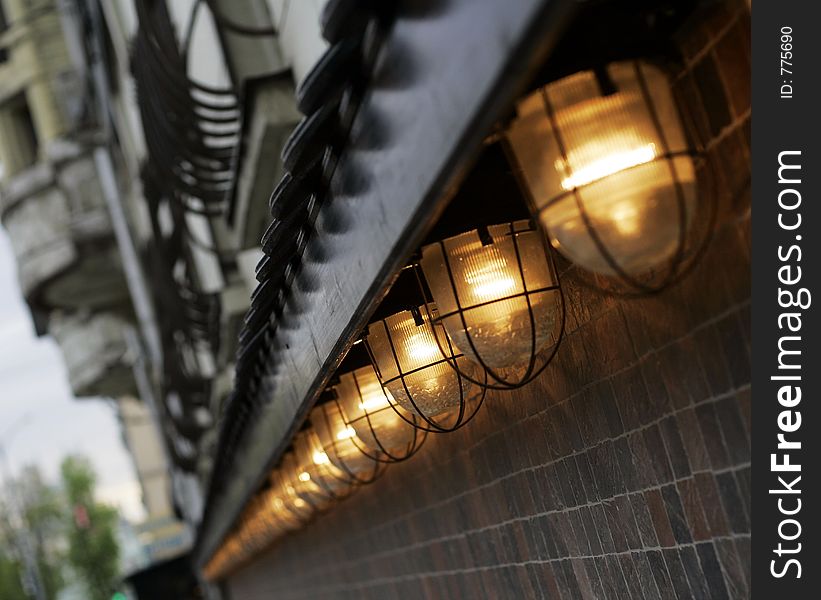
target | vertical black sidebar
[{"x": 786, "y": 138}]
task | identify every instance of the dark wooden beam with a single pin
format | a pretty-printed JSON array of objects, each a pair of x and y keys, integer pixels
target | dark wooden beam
[{"x": 447, "y": 73}]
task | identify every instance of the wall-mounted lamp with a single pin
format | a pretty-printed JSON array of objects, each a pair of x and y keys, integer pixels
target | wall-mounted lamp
[
  {"x": 279, "y": 502},
  {"x": 499, "y": 299},
  {"x": 282, "y": 480},
  {"x": 224, "y": 559},
  {"x": 385, "y": 429},
  {"x": 605, "y": 158},
  {"x": 303, "y": 496},
  {"x": 259, "y": 527},
  {"x": 341, "y": 444},
  {"x": 415, "y": 359},
  {"x": 316, "y": 479}
]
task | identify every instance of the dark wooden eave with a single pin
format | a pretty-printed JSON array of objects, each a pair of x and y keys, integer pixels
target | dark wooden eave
[{"x": 447, "y": 72}]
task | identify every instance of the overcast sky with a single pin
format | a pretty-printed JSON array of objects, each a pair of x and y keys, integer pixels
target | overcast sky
[{"x": 34, "y": 387}]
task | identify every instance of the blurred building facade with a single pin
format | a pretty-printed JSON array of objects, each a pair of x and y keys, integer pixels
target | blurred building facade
[{"x": 138, "y": 264}]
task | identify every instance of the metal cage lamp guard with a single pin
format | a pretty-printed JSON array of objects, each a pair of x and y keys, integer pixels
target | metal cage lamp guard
[
  {"x": 418, "y": 374},
  {"x": 259, "y": 527},
  {"x": 342, "y": 446},
  {"x": 385, "y": 432},
  {"x": 275, "y": 505},
  {"x": 317, "y": 480},
  {"x": 282, "y": 498},
  {"x": 497, "y": 295},
  {"x": 272, "y": 513},
  {"x": 249, "y": 538},
  {"x": 605, "y": 159},
  {"x": 293, "y": 495},
  {"x": 228, "y": 556}
]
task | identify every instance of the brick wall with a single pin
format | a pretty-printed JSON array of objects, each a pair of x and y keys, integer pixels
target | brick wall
[{"x": 624, "y": 472}]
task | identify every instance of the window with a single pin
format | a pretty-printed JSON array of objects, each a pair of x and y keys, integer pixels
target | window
[
  {"x": 18, "y": 141},
  {"x": 4, "y": 25}
]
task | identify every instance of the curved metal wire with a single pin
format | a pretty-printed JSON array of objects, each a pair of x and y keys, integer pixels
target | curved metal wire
[
  {"x": 332, "y": 495},
  {"x": 538, "y": 360},
  {"x": 429, "y": 425},
  {"x": 384, "y": 455},
  {"x": 191, "y": 129},
  {"x": 680, "y": 263},
  {"x": 353, "y": 478},
  {"x": 191, "y": 133}
]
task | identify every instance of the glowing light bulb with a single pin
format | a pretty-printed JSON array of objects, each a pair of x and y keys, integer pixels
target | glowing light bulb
[
  {"x": 422, "y": 348},
  {"x": 605, "y": 166},
  {"x": 315, "y": 469},
  {"x": 490, "y": 281},
  {"x": 373, "y": 400},
  {"x": 627, "y": 218},
  {"x": 491, "y": 323},
  {"x": 366, "y": 407},
  {"x": 338, "y": 440},
  {"x": 414, "y": 366},
  {"x": 625, "y": 157},
  {"x": 346, "y": 434}
]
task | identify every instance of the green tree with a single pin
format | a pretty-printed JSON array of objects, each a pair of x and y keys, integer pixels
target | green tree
[
  {"x": 93, "y": 551},
  {"x": 11, "y": 587},
  {"x": 40, "y": 514},
  {"x": 44, "y": 515}
]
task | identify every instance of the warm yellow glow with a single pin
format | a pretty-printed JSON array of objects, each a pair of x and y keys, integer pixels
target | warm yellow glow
[
  {"x": 315, "y": 467},
  {"x": 604, "y": 167},
  {"x": 346, "y": 434},
  {"x": 339, "y": 442},
  {"x": 299, "y": 502},
  {"x": 490, "y": 281},
  {"x": 486, "y": 297},
  {"x": 413, "y": 362},
  {"x": 627, "y": 218},
  {"x": 374, "y": 400},
  {"x": 367, "y": 408},
  {"x": 626, "y": 157},
  {"x": 421, "y": 348}
]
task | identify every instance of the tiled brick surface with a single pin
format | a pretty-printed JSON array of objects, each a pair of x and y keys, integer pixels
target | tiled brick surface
[{"x": 623, "y": 472}]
